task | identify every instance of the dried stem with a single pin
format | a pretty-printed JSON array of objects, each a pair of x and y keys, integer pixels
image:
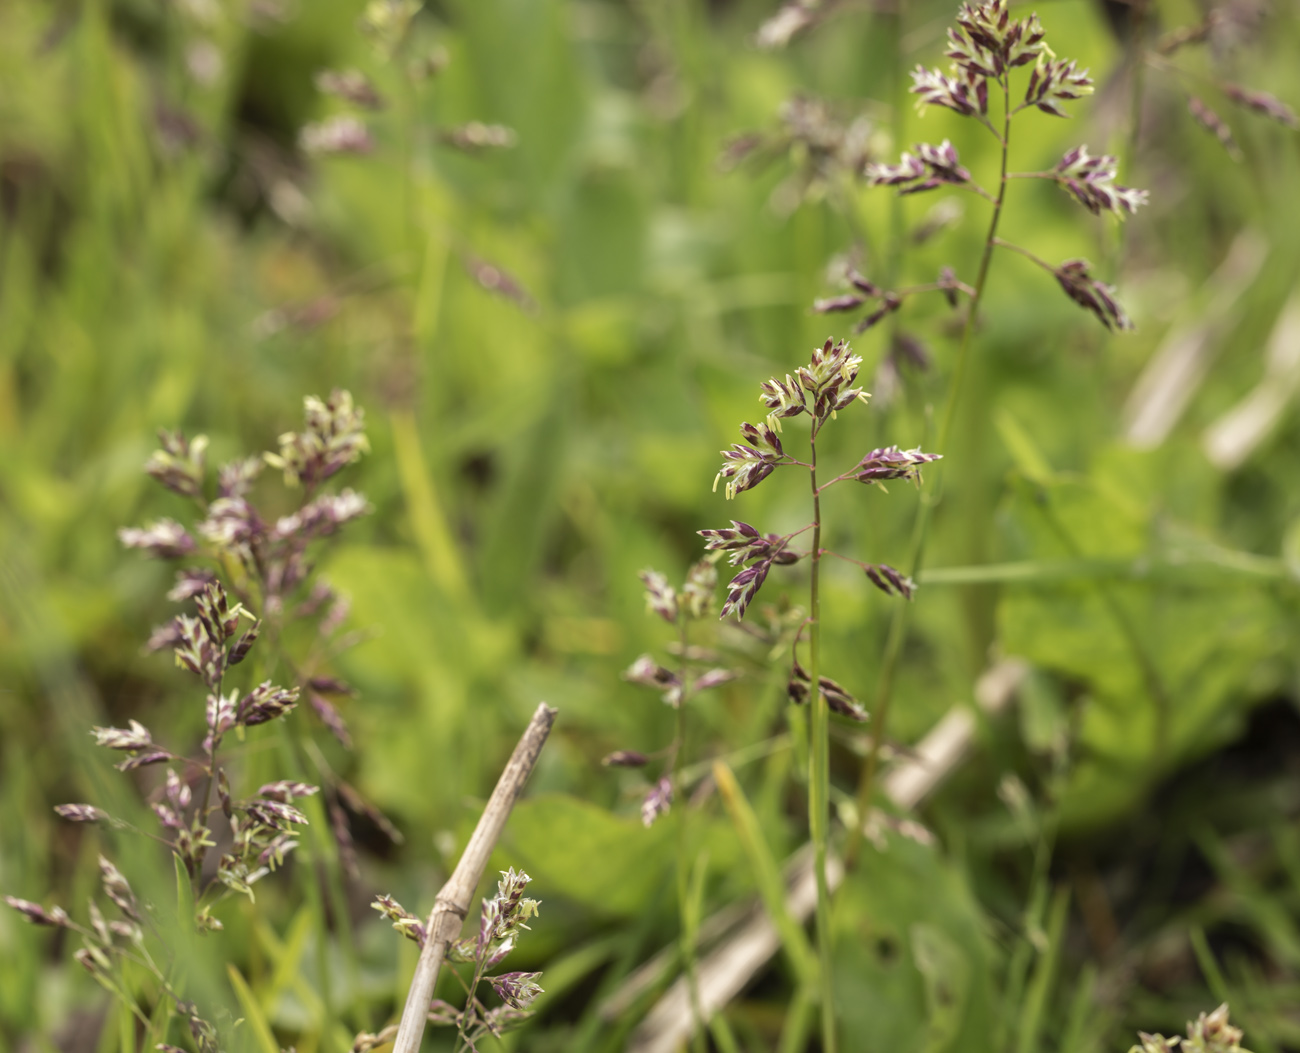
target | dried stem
[{"x": 453, "y": 902}]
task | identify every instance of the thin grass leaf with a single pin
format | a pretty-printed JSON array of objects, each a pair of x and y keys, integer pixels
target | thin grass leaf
[
  {"x": 723, "y": 1037},
  {"x": 767, "y": 875},
  {"x": 1080, "y": 1034},
  {"x": 254, "y": 1018},
  {"x": 287, "y": 957},
  {"x": 1042, "y": 982}
]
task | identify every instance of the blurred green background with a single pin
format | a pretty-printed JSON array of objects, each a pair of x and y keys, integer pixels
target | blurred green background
[{"x": 1120, "y": 512}]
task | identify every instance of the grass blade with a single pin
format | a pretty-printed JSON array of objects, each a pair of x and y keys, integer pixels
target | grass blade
[{"x": 767, "y": 874}]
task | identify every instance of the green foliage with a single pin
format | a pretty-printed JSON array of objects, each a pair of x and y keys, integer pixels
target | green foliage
[
  {"x": 913, "y": 963},
  {"x": 170, "y": 258}
]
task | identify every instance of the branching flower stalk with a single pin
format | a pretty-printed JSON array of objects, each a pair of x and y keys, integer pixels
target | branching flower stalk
[
  {"x": 986, "y": 46},
  {"x": 267, "y": 568},
  {"x": 820, "y": 389},
  {"x": 686, "y": 920}
]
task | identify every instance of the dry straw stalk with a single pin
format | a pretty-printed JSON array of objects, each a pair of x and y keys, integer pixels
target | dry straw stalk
[{"x": 453, "y": 902}]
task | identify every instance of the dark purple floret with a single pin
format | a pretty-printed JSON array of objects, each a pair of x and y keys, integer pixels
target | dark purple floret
[{"x": 625, "y": 759}]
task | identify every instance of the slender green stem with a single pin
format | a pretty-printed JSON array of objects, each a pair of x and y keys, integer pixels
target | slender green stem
[
  {"x": 977, "y": 190},
  {"x": 819, "y": 765},
  {"x": 930, "y": 498},
  {"x": 1177, "y": 567},
  {"x": 1000, "y": 243},
  {"x": 686, "y": 931},
  {"x": 203, "y": 807},
  {"x": 981, "y": 280},
  {"x": 989, "y": 125},
  {"x": 798, "y": 1021}
]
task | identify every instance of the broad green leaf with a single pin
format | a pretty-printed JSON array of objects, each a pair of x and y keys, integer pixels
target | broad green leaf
[
  {"x": 912, "y": 959},
  {"x": 946, "y": 972},
  {"x": 610, "y": 865}
]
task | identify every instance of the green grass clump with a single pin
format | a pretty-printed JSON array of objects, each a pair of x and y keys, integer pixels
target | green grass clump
[{"x": 550, "y": 247}]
